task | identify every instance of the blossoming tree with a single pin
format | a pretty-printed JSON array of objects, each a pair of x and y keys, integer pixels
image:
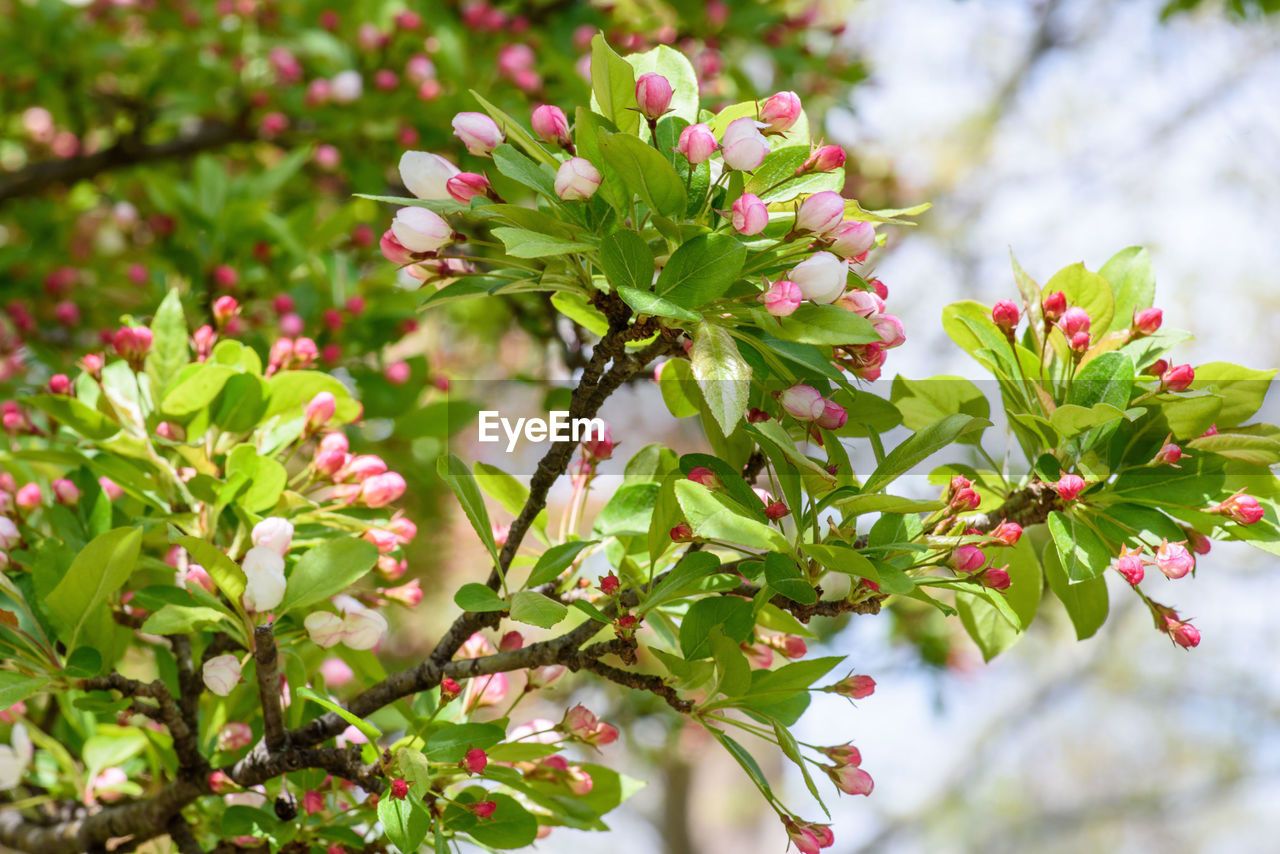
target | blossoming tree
[{"x": 197, "y": 571}]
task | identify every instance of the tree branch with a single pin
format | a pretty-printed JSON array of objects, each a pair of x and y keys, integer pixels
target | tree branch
[{"x": 264, "y": 653}]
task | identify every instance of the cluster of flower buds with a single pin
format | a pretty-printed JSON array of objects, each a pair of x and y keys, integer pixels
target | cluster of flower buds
[
  {"x": 807, "y": 405},
  {"x": 581, "y": 724}
]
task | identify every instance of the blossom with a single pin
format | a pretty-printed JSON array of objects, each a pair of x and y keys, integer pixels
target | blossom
[
  {"x": 577, "y": 178},
  {"x": 743, "y": 146},
  {"x": 15, "y": 757},
  {"x": 221, "y": 673},
  {"x": 821, "y": 277},
  {"x": 1174, "y": 560},
  {"x": 273, "y": 533},
  {"x": 697, "y": 143},
  {"x": 420, "y": 230},
  {"x": 750, "y": 216},
  {"x": 479, "y": 133}
]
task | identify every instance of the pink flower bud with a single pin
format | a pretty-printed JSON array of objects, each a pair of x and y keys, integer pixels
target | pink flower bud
[
  {"x": 681, "y": 533},
  {"x": 224, "y": 308},
  {"x": 581, "y": 724},
  {"x": 483, "y": 809},
  {"x": 791, "y": 646},
  {"x": 1005, "y": 315},
  {"x": 843, "y": 754},
  {"x": 852, "y": 238},
  {"x": 653, "y": 94},
  {"x": 1054, "y": 305},
  {"x": 403, "y": 529},
  {"x": 475, "y": 760},
  {"x": 890, "y": 329},
  {"x": 511, "y": 641},
  {"x": 420, "y": 230},
  {"x": 826, "y": 158},
  {"x": 219, "y": 782},
  {"x": 1129, "y": 565},
  {"x": 743, "y": 146},
  {"x": 598, "y": 446},
  {"x": 10, "y": 536},
  {"x": 65, "y": 492},
  {"x": 963, "y": 500},
  {"x": 1008, "y": 533},
  {"x": 197, "y": 575},
  {"x": 312, "y": 802},
  {"x": 399, "y": 789},
  {"x": 320, "y": 409},
  {"x": 110, "y": 488},
  {"x": 697, "y": 143},
  {"x": 449, "y": 690},
  {"x": 968, "y": 559},
  {"x": 28, "y": 497},
  {"x": 1157, "y": 368},
  {"x": 221, "y": 673},
  {"x": 782, "y": 298},
  {"x": 853, "y": 686},
  {"x": 393, "y": 250},
  {"x": 273, "y": 533},
  {"x": 426, "y": 175},
  {"x": 1182, "y": 633},
  {"x": 805, "y": 840},
  {"x": 833, "y": 416},
  {"x": 479, "y": 133},
  {"x": 997, "y": 578},
  {"x": 59, "y": 384},
  {"x": 781, "y": 111},
  {"x": 324, "y": 628},
  {"x": 1147, "y": 321},
  {"x": 776, "y": 509},
  {"x": 803, "y": 403},
  {"x": 551, "y": 125},
  {"x": 1241, "y": 508},
  {"x": 820, "y": 212},
  {"x": 363, "y": 628},
  {"x": 203, "y": 340},
  {"x": 1169, "y": 455},
  {"x": 1069, "y": 487},
  {"x": 336, "y": 672},
  {"x": 235, "y": 736},
  {"x": 384, "y": 540},
  {"x": 822, "y": 277},
  {"x": 577, "y": 179},
  {"x": 1174, "y": 560},
  {"x": 1074, "y": 321},
  {"x": 465, "y": 186},
  {"x": 1178, "y": 378},
  {"x": 328, "y": 461},
  {"x": 408, "y": 595},
  {"x": 850, "y": 779},
  {"x": 750, "y": 216},
  {"x": 704, "y": 476},
  {"x": 365, "y": 466},
  {"x": 385, "y": 79}
]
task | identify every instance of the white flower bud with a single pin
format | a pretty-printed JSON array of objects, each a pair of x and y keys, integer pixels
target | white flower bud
[
  {"x": 273, "y": 533},
  {"x": 325, "y": 628},
  {"x": 426, "y": 174},
  {"x": 221, "y": 674}
]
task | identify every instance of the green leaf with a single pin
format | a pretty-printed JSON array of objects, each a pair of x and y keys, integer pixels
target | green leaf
[
  {"x": 921, "y": 446},
  {"x": 73, "y": 413},
  {"x": 722, "y": 374},
  {"x": 969, "y": 325},
  {"x": 1133, "y": 286},
  {"x": 267, "y": 478},
  {"x": 715, "y": 516},
  {"x": 820, "y": 324},
  {"x": 683, "y": 579},
  {"x": 1086, "y": 601},
  {"x": 524, "y": 171},
  {"x": 1088, "y": 291},
  {"x": 626, "y": 260},
  {"x": 455, "y": 473},
  {"x": 646, "y": 173},
  {"x": 836, "y": 558},
  {"x": 679, "y": 390},
  {"x": 532, "y": 607},
  {"x": 556, "y": 560},
  {"x": 244, "y": 399},
  {"x": 291, "y": 391},
  {"x": 522, "y": 243},
  {"x": 1255, "y": 450},
  {"x": 645, "y": 302},
  {"x": 987, "y": 626},
  {"x": 1107, "y": 379},
  {"x": 169, "y": 348},
  {"x": 701, "y": 270},
  {"x": 101, "y": 568},
  {"x": 628, "y": 511},
  {"x": 479, "y": 598},
  {"x": 223, "y": 570},
  {"x": 404, "y": 821},
  {"x": 776, "y": 179},
  {"x": 85, "y": 662},
  {"x": 924, "y": 402},
  {"x": 733, "y": 615},
  {"x": 510, "y": 826},
  {"x": 1242, "y": 390},
  {"x": 326, "y": 569},
  {"x": 613, "y": 86},
  {"x": 370, "y": 731},
  {"x": 181, "y": 619},
  {"x": 785, "y": 577},
  {"x": 731, "y": 663},
  {"x": 450, "y": 742},
  {"x": 15, "y": 687},
  {"x": 196, "y": 389},
  {"x": 1081, "y": 552}
]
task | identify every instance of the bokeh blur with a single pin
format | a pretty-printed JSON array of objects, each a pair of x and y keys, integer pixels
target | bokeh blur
[{"x": 1060, "y": 130}]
